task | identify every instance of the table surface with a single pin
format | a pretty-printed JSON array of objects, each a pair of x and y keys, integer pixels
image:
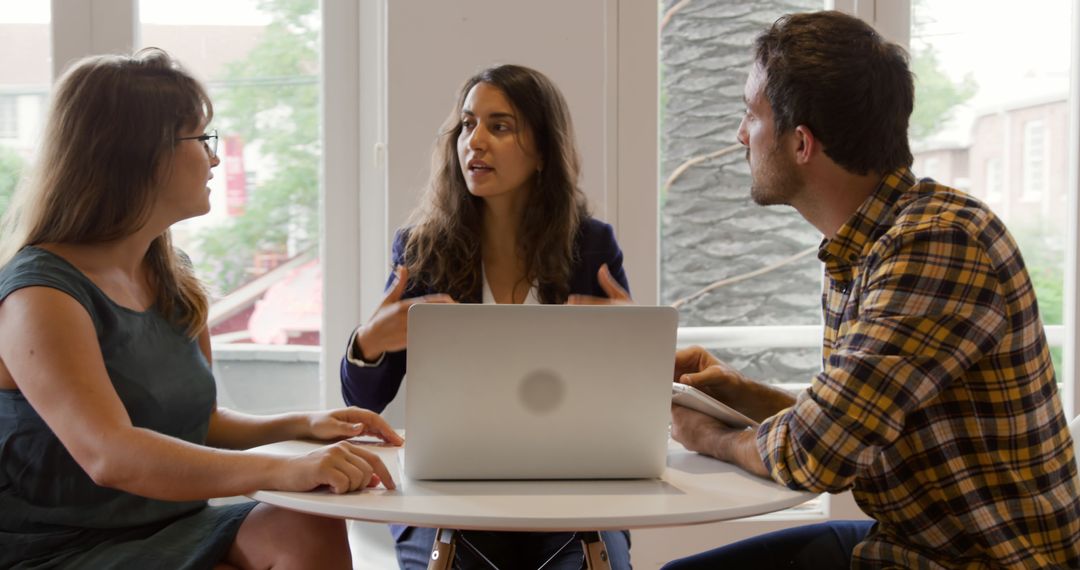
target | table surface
[{"x": 694, "y": 489}]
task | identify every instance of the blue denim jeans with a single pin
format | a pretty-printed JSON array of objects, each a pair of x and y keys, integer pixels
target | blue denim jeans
[
  {"x": 814, "y": 547},
  {"x": 517, "y": 550}
]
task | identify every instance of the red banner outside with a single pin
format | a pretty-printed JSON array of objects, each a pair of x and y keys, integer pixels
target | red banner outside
[{"x": 235, "y": 177}]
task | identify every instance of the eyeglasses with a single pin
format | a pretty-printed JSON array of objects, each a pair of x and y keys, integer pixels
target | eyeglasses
[{"x": 209, "y": 141}]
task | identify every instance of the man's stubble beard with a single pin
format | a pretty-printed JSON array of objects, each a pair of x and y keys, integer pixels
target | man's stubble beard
[{"x": 777, "y": 184}]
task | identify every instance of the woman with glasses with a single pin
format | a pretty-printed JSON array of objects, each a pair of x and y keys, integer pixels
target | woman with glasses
[
  {"x": 503, "y": 221},
  {"x": 111, "y": 440}
]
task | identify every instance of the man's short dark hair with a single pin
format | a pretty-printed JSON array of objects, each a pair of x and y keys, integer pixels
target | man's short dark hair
[{"x": 837, "y": 76}]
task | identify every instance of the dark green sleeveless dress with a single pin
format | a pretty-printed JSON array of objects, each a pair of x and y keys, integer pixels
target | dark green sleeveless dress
[{"x": 52, "y": 515}]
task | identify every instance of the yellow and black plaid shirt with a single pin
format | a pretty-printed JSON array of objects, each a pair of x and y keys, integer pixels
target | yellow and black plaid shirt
[{"x": 937, "y": 404}]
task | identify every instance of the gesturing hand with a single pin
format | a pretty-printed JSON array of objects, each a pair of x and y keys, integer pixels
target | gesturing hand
[
  {"x": 387, "y": 330},
  {"x": 616, "y": 295},
  {"x": 351, "y": 422}
]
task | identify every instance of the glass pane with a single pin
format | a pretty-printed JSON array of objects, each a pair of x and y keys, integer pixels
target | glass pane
[
  {"x": 991, "y": 118},
  {"x": 710, "y": 229},
  {"x": 777, "y": 365},
  {"x": 258, "y": 248},
  {"x": 25, "y": 80}
]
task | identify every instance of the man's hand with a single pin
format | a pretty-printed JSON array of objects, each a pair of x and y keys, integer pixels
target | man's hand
[
  {"x": 696, "y": 367},
  {"x": 706, "y": 435},
  {"x": 692, "y": 360}
]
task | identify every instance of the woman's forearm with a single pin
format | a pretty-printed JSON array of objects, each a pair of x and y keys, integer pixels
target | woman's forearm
[
  {"x": 235, "y": 430},
  {"x": 161, "y": 467}
]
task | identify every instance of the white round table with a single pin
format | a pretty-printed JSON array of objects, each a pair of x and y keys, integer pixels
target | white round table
[{"x": 694, "y": 489}]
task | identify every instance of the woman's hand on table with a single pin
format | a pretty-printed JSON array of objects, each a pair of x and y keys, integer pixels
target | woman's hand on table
[
  {"x": 343, "y": 467},
  {"x": 350, "y": 422}
]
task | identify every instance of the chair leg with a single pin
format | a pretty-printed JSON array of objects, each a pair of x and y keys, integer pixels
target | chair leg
[{"x": 442, "y": 551}]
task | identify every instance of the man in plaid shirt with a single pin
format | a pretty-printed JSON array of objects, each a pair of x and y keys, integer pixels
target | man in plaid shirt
[{"x": 937, "y": 404}]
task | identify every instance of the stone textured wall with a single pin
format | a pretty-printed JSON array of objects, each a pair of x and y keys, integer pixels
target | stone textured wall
[{"x": 711, "y": 229}]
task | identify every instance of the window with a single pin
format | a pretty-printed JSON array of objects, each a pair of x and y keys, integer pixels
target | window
[
  {"x": 712, "y": 234},
  {"x": 745, "y": 278},
  {"x": 9, "y": 119},
  {"x": 994, "y": 181},
  {"x": 257, "y": 250},
  {"x": 24, "y": 85},
  {"x": 932, "y": 169},
  {"x": 999, "y": 96},
  {"x": 1034, "y": 161}
]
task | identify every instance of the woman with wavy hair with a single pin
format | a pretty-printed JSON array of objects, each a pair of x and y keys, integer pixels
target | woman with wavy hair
[
  {"x": 111, "y": 440},
  {"x": 503, "y": 221}
]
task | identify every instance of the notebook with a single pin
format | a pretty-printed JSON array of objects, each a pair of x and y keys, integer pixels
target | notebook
[{"x": 538, "y": 391}]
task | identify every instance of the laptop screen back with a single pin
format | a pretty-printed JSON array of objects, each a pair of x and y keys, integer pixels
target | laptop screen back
[{"x": 538, "y": 391}]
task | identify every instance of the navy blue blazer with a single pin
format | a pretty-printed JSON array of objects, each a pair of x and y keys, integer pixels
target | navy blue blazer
[{"x": 373, "y": 387}]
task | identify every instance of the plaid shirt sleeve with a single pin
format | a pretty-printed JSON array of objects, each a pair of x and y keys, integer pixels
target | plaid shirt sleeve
[{"x": 928, "y": 306}]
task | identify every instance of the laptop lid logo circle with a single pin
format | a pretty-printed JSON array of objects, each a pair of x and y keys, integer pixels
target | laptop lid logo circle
[{"x": 541, "y": 391}]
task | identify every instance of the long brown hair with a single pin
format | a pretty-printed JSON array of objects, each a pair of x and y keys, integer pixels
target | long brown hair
[
  {"x": 112, "y": 124},
  {"x": 443, "y": 249}
]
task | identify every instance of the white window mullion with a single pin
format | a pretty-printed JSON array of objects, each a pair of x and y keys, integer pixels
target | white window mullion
[
  {"x": 373, "y": 188},
  {"x": 340, "y": 243}
]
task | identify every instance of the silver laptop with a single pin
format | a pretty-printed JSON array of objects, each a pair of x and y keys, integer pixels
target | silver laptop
[{"x": 538, "y": 391}]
